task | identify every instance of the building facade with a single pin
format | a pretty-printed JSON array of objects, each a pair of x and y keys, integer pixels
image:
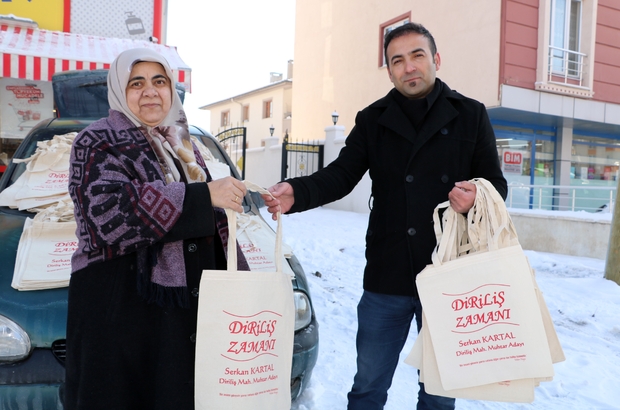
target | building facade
[
  {"x": 260, "y": 110},
  {"x": 548, "y": 72}
]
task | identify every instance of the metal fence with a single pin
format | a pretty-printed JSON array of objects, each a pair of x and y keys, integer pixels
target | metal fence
[
  {"x": 566, "y": 66},
  {"x": 234, "y": 141},
  {"x": 561, "y": 197},
  {"x": 301, "y": 158}
]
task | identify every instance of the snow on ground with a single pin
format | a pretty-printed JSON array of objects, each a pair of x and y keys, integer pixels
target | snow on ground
[{"x": 584, "y": 306}]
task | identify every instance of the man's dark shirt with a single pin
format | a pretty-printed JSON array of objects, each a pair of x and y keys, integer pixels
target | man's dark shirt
[{"x": 415, "y": 109}]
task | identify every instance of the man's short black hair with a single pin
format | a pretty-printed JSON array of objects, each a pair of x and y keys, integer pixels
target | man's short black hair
[{"x": 405, "y": 29}]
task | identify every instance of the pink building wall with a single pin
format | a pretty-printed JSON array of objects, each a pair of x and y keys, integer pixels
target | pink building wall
[
  {"x": 607, "y": 52},
  {"x": 519, "y": 44}
]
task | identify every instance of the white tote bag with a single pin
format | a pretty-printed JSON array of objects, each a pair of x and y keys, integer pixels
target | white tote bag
[
  {"x": 46, "y": 178},
  {"x": 422, "y": 356},
  {"x": 484, "y": 319},
  {"x": 44, "y": 255},
  {"x": 258, "y": 243},
  {"x": 481, "y": 302},
  {"x": 43, "y": 259},
  {"x": 244, "y": 340}
]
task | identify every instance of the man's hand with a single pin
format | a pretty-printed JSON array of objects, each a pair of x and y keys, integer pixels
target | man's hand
[
  {"x": 462, "y": 196},
  {"x": 282, "y": 201}
]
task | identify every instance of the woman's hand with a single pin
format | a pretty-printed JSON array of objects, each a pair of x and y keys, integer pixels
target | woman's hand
[{"x": 227, "y": 192}]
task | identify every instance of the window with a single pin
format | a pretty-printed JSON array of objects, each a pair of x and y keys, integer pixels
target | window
[
  {"x": 245, "y": 113},
  {"x": 566, "y": 41},
  {"x": 595, "y": 161},
  {"x": 564, "y": 56},
  {"x": 388, "y": 26},
  {"x": 267, "y": 109},
  {"x": 225, "y": 118}
]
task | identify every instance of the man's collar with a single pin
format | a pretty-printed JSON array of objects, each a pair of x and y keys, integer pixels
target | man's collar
[{"x": 430, "y": 98}]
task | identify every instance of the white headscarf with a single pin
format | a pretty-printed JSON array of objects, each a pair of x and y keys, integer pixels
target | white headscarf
[{"x": 170, "y": 139}]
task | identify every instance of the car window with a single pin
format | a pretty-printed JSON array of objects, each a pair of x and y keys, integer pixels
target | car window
[
  {"x": 81, "y": 94},
  {"x": 212, "y": 146}
]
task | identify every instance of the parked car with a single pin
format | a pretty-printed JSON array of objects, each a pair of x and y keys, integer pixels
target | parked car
[{"x": 33, "y": 323}]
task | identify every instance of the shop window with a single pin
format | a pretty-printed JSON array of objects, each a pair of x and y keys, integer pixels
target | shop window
[
  {"x": 267, "y": 109},
  {"x": 224, "y": 118},
  {"x": 595, "y": 164},
  {"x": 526, "y": 161},
  {"x": 544, "y": 169},
  {"x": 595, "y": 161},
  {"x": 385, "y": 28},
  {"x": 527, "y": 154}
]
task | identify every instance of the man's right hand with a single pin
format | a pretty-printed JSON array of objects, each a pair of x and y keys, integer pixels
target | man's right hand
[{"x": 282, "y": 201}]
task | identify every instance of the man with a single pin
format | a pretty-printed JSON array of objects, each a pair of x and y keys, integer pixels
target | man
[{"x": 420, "y": 143}]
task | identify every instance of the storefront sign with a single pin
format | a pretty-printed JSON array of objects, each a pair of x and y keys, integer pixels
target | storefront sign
[
  {"x": 513, "y": 162},
  {"x": 48, "y": 14}
]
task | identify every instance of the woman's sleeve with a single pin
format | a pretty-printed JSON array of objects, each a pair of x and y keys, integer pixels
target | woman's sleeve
[
  {"x": 194, "y": 221},
  {"x": 115, "y": 210}
]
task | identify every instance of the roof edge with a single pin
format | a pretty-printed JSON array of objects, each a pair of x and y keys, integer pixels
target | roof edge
[{"x": 272, "y": 85}]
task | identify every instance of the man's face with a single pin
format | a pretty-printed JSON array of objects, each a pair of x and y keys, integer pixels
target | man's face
[{"x": 411, "y": 66}]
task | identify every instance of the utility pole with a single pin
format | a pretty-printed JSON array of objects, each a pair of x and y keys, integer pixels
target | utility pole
[{"x": 612, "y": 264}]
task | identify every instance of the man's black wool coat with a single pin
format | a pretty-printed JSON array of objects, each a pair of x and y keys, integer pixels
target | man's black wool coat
[{"x": 411, "y": 173}]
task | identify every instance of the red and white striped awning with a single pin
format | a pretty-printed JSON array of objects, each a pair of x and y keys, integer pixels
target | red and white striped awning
[{"x": 33, "y": 54}]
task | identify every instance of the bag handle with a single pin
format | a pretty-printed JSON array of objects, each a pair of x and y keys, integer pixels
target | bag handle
[
  {"x": 488, "y": 226},
  {"x": 451, "y": 233},
  {"x": 232, "y": 232}
]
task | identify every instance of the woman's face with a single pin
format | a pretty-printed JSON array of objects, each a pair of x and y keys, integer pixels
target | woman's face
[{"x": 148, "y": 92}]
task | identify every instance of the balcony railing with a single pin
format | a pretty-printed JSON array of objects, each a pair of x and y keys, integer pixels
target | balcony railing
[
  {"x": 561, "y": 198},
  {"x": 565, "y": 66}
]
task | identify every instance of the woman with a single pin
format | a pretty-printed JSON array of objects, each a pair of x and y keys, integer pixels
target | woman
[{"x": 149, "y": 220}]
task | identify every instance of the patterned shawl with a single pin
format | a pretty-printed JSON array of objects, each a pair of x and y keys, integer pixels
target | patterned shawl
[{"x": 124, "y": 202}]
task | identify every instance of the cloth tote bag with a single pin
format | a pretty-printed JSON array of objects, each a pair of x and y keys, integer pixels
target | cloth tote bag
[
  {"x": 244, "y": 340},
  {"x": 44, "y": 255},
  {"x": 258, "y": 241},
  {"x": 48, "y": 168},
  {"x": 422, "y": 356},
  {"x": 480, "y": 301},
  {"x": 43, "y": 259},
  {"x": 46, "y": 177}
]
